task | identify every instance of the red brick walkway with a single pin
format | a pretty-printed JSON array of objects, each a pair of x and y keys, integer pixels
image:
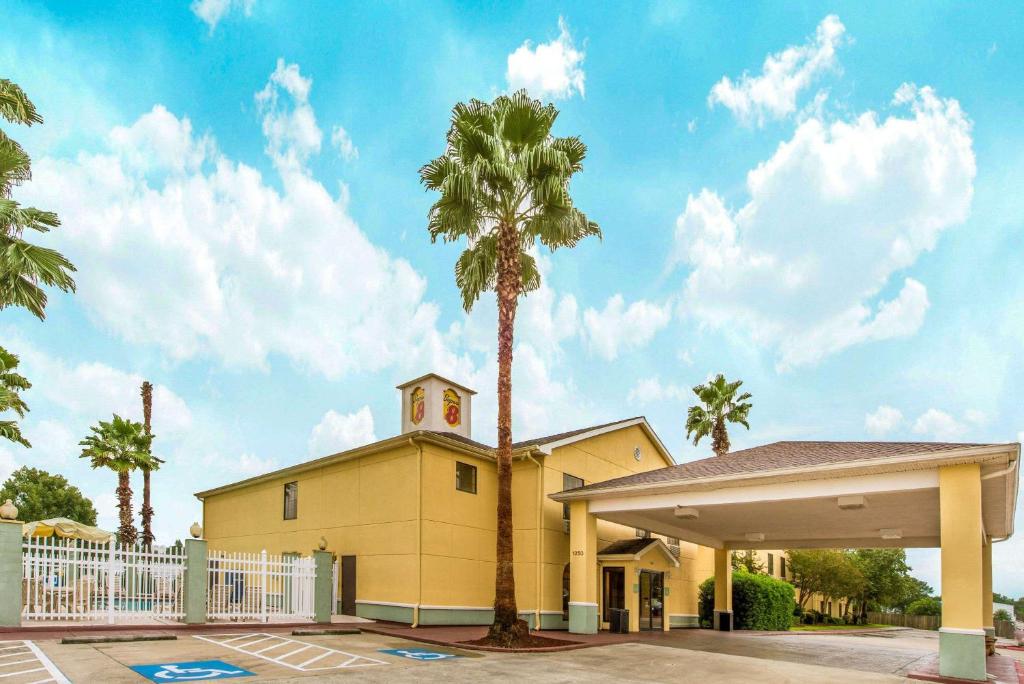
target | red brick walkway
[{"x": 1004, "y": 668}]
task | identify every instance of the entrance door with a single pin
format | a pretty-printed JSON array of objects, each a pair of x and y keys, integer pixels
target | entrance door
[
  {"x": 652, "y": 600},
  {"x": 613, "y": 591},
  {"x": 348, "y": 585}
]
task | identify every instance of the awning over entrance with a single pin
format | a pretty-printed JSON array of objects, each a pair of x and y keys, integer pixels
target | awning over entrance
[
  {"x": 959, "y": 497},
  {"x": 808, "y": 495}
]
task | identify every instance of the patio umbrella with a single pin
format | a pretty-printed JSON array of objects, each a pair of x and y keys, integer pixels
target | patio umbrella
[{"x": 66, "y": 529}]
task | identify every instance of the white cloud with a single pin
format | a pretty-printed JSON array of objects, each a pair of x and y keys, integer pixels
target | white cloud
[
  {"x": 204, "y": 258},
  {"x": 289, "y": 123},
  {"x": 938, "y": 425},
  {"x": 250, "y": 465},
  {"x": 8, "y": 464},
  {"x": 832, "y": 217},
  {"x": 883, "y": 421},
  {"x": 651, "y": 390},
  {"x": 617, "y": 327},
  {"x": 553, "y": 69},
  {"x": 341, "y": 431},
  {"x": 212, "y": 11},
  {"x": 773, "y": 94},
  {"x": 691, "y": 126},
  {"x": 342, "y": 141}
]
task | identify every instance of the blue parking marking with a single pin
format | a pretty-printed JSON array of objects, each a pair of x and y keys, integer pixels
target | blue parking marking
[
  {"x": 417, "y": 653},
  {"x": 198, "y": 671}
]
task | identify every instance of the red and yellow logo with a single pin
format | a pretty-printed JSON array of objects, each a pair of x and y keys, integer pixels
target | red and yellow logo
[
  {"x": 452, "y": 405},
  {"x": 418, "y": 406}
]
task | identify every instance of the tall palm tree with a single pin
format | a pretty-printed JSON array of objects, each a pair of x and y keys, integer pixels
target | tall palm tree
[
  {"x": 11, "y": 383},
  {"x": 147, "y": 509},
  {"x": 121, "y": 445},
  {"x": 24, "y": 266},
  {"x": 720, "y": 405},
  {"x": 504, "y": 184}
]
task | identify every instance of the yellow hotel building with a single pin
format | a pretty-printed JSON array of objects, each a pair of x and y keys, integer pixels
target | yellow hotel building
[{"x": 412, "y": 521}]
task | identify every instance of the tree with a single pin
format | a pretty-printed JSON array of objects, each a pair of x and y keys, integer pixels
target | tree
[
  {"x": 747, "y": 560},
  {"x": 504, "y": 184},
  {"x": 40, "y": 495},
  {"x": 147, "y": 508},
  {"x": 833, "y": 573},
  {"x": 11, "y": 384},
  {"x": 122, "y": 446},
  {"x": 720, "y": 405},
  {"x": 23, "y": 266},
  {"x": 925, "y": 606}
]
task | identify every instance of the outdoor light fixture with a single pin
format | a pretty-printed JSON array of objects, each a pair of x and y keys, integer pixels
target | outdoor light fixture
[
  {"x": 687, "y": 513},
  {"x": 852, "y": 503},
  {"x": 755, "y": 536},
  {"x": 891, "y": 534}
]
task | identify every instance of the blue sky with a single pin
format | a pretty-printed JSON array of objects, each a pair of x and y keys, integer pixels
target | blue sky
[{"x": 821, "y": 200}]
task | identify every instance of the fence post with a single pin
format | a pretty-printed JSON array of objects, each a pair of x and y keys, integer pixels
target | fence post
[
  {"x": 111, "y": 555},
  {"x": 323, "y": 562},
  {"x": 263, "y": 586},
  {"x": 10, "y": 573},
  {"x": 196, "y": 571}
]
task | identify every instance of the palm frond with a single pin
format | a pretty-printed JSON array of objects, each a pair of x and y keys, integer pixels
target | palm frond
[
  {"x": 10, "y": 431},
  {"x": 15, "y": 105},
  {"x": 476, "y": 270}
]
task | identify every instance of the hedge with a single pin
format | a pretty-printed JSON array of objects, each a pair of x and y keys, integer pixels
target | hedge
[{"x": 758, "y": 602}]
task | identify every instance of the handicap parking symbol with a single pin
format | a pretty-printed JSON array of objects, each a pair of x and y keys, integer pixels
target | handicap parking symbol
[
  {"x": 417, "y": 653},
  {"x": 201, "y": 670}
]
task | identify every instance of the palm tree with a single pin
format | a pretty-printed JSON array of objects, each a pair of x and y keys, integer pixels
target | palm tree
[
  {"x": 24, "y": 266},
  {"x": 504, "y": 184},
  {"x": 122, "y": 446},
  {"x": 720, "y": 405},
  {"x": 147, "y": 509},
  {"x": 11, "y": 383}
]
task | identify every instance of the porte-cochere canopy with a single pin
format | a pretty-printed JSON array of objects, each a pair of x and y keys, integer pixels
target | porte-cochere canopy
[{"x": 959, "y": 497}]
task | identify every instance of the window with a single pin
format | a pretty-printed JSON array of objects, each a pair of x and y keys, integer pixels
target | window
[
  {"x": 569, "y": 482},
  {"x": 465, "y": 477},
  {"x": 782, "y": 567},
  {"x": 565, "y": 592},
  {"x": 643, "y": 534},
  {"x": 771, "y": 565},
  {"x": 291, "y": 501},
  {"x": 672, "y": 541}
]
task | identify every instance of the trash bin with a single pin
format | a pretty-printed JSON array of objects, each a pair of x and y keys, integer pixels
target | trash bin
[{"x": 620, "y": 621}]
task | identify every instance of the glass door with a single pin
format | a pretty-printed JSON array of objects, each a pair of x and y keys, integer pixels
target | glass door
[
  {"x": 614, "y": 591},
  {"x": 652, "y": 600}
]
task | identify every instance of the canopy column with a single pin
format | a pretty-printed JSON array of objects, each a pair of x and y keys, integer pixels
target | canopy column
[
  {"x": 723, "y": 590},
  {"x": 987, "y": 618},
  {"x": 582, "y": 569},
  {"x": 962, "y": 636}
]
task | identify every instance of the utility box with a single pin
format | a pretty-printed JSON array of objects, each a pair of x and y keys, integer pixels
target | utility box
[{"x": 620, "y": 621}]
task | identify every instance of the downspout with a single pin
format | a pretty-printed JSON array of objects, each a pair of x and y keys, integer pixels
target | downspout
[
  {"x": 540, "y": 541},
  {"x": 419, "y": 532}
]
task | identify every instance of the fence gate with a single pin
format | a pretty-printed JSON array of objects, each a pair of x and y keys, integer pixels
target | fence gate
[
  {"x": 258, "y": 586},
  {"x": 70, "y": 579}
]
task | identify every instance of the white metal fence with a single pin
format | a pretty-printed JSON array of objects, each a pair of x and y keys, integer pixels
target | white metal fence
[
  {"x": 258, "y": 586},
  {"x": 68, "y": 579}
]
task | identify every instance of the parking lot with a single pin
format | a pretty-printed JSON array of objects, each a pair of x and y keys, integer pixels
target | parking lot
[{"x": 281, "y": 656}]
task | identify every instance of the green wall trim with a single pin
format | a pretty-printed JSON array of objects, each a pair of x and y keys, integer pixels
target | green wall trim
[
  {"x": 323, "y": 561},
  {"x": 962, "y": 655},
  {"x": 549, "y": 621},
  {"x": 683, "y": 621},
  {"x": 196, "y": 582},
  {"x": 582, "y": 619},
  {"x": 456, "y": 616},
  {"x": 10, "y": 574},
  {"x": 376, "y": 611}
]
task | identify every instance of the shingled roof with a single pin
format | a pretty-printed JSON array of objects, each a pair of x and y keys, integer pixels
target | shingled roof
[
  {"x": 535, "y": 441},
  {"x": 627, "y": 547},
  {"x": 779, "y": 456}
]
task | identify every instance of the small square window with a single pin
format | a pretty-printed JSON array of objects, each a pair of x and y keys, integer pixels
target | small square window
[
  {"x": 643, "y": 534},
  {"x": 771, "y": 564},
  {"x": 291, "y": 501},
  {"x": 465, "y": 477},
  {"x": 672, "y": 541}
]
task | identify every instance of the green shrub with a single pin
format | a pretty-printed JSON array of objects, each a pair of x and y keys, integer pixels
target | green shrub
[
  {"x": 1002, "y": 616},
  {"x": 925, "y": 606},
  {"x": 758, "y": 602}
]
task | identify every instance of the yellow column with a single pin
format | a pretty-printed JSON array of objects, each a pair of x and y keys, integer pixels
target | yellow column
[
  {"x": 723, "y": 590},
  {"x": 987, "y": 620},
  {"x": 962, "y": 636},
  {"x": 582, "y": 569}
]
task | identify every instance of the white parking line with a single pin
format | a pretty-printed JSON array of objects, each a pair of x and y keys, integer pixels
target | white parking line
[
  {"x": 327, "y": 658},
  {"x": 13, "y": 649}
]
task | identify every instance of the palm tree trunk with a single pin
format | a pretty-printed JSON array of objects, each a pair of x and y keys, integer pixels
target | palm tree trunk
[
  {"x": 720, "y": 437},
  {"x": 508, "y": 629},
  {"x": 147, "y": 509},
  {"x": 124, "y": 503}
]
